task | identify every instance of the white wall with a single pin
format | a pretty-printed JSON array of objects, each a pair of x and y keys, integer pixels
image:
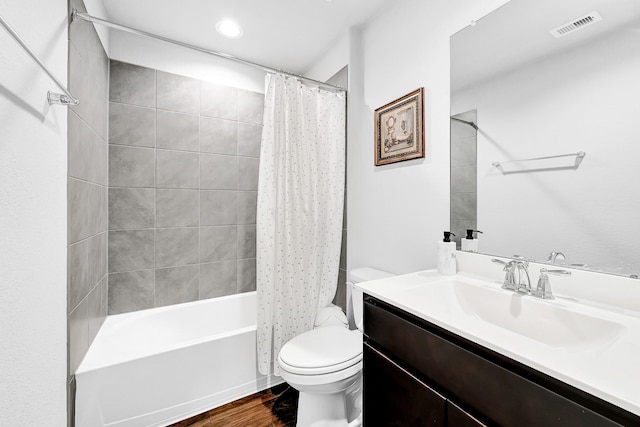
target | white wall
[
  {"x": 583, "y": 100},
  {"x": 33, "y": 215},
  {"x": 332, "y": 61},
  {"x": 162, "y": 56},
  {"x": 396, "y": 213}
]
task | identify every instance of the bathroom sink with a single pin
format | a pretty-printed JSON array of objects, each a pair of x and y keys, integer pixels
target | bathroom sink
[{"x": 546, "y": 322}]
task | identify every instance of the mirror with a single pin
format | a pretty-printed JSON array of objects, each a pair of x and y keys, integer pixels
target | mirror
[{"x": 553, "y": 87}]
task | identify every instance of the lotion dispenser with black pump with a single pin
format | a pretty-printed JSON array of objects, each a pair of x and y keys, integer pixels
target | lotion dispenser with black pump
[
  {"x": 469, "y": 244},
  {"x": 447, "y": 263}
]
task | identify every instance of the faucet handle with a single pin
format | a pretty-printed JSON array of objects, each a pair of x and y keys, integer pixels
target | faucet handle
[
  {"x": 507, "y": 264},
  {"x": 509, "y": 273},
  {"x": 543, "y": 289},
  {"x": 556, "y": 257}
]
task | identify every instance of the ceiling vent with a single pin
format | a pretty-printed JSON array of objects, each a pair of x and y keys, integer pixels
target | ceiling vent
[{"x": 576, "y": 24}]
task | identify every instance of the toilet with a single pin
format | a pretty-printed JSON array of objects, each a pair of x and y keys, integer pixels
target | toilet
[{"x": 325, "y": 364}]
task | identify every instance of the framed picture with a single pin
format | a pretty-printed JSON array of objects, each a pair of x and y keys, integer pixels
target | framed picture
[{"x": 399, "y": 129}]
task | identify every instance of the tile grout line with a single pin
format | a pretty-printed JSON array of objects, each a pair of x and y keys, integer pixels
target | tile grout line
[
  {"x": 155, "y": 199},
  {"x": 199, "y": 191},
  {"x": 237, "y": 188}
]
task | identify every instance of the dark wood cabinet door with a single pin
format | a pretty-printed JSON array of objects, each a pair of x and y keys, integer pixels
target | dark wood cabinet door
[
  {"x": 394, "y": 397},
  {"x": 458, "y": 417}
]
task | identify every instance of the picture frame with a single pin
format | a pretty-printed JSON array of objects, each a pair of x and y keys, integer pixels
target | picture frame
[{"x": 399, "y": 129}]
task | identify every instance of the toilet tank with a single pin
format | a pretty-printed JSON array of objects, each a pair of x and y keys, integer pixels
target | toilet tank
[
  {"x": 354, "y": 296},
  {"x": 366, "y": 274},
  {"x": 330, "y": 316}
]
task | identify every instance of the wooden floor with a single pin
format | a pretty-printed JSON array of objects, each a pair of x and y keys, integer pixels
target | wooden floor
[{"x": 275, "y": 407}]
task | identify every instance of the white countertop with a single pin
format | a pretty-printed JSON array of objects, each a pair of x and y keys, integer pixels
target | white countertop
[{"x": 607, "y": 368}]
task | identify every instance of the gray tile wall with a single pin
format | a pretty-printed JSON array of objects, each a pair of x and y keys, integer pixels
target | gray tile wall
[
  {"x": 87, "y": 193},
  {"x": 183, "y": 176},
  {"x": 464, "y": 180},
  {"x": 341, "y": 78}
]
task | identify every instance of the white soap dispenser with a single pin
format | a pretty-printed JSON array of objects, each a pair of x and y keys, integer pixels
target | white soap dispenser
[
  {"x": 469, "y": 244},
  {"x": 447, "y": 264}
]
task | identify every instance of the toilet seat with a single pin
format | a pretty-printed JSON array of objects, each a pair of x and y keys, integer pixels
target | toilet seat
[
  {"x": 321, "y": 351},
  {"x": 323, "y": 382}
]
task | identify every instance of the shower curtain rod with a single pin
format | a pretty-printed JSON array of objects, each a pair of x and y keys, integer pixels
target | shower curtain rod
[{"x": 86, "y": 17}]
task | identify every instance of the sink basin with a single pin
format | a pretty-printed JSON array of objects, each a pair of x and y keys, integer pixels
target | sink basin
[{"x": 548, "y": 323}]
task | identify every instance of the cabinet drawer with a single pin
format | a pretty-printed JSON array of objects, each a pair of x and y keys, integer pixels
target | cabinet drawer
[
  {"x": 457, "y": 417},
  {"x": 486, "y": 388},
  {"x": 394, "y": 397}
]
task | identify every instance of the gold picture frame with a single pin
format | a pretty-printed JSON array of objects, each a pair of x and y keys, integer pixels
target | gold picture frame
[{"x": 399, "y": 129}]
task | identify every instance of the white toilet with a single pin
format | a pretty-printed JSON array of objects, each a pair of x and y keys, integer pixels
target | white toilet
[{"x": 325, "y": 364}]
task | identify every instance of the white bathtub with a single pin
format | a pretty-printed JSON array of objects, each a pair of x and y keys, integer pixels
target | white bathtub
[{"x": 159, "y": 366}]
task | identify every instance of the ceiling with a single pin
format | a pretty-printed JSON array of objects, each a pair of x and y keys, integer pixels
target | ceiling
[
  {"x": 517, "y": 34},
  {"x": 285, "y": 34}
]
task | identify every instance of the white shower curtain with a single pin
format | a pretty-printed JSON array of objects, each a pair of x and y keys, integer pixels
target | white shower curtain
[{"x": 300, "y": 204}]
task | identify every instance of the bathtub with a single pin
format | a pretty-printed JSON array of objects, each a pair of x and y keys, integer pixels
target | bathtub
[{"x": 159, "y": 366}]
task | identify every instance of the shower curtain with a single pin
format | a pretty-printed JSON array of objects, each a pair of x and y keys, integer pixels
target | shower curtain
[{"x": 300, "y": 204}]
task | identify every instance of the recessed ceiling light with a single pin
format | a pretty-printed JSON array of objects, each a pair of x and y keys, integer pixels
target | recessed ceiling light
[{"x": 229, "y": 29}]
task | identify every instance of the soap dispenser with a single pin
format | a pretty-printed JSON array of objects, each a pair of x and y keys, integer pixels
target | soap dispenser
[
  {"x": 469, "y": 244},
  {"x": 447, "y": 255}
]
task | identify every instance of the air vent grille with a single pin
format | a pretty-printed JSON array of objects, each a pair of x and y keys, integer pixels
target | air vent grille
[{"x": 576, "y": 24}]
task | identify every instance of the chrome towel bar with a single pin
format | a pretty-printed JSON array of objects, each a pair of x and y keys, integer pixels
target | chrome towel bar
[
  {"x": 579, "y": 156},
  {"x": 54, "y": 98}
]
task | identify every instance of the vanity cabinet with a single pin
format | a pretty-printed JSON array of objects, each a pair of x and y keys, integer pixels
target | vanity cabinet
[
  {"x": 416, "y": 373},
  {"x": 458, "y": 417},
  {"x": 414, "y": 403}
]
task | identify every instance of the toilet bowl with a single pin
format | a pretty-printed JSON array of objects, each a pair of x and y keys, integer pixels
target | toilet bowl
[{"x": 325, "y": 364}]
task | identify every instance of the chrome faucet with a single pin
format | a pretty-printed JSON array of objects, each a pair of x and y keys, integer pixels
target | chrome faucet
[
  {"x": 521, "y": 283},
  {"x": 543, "y": 290},
  {"x": 524, "y": 282},
  {"x": 556, "y": 258}
]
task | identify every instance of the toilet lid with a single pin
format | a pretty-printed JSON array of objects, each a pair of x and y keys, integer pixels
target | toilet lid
[{"x": 321, "y": 351}]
